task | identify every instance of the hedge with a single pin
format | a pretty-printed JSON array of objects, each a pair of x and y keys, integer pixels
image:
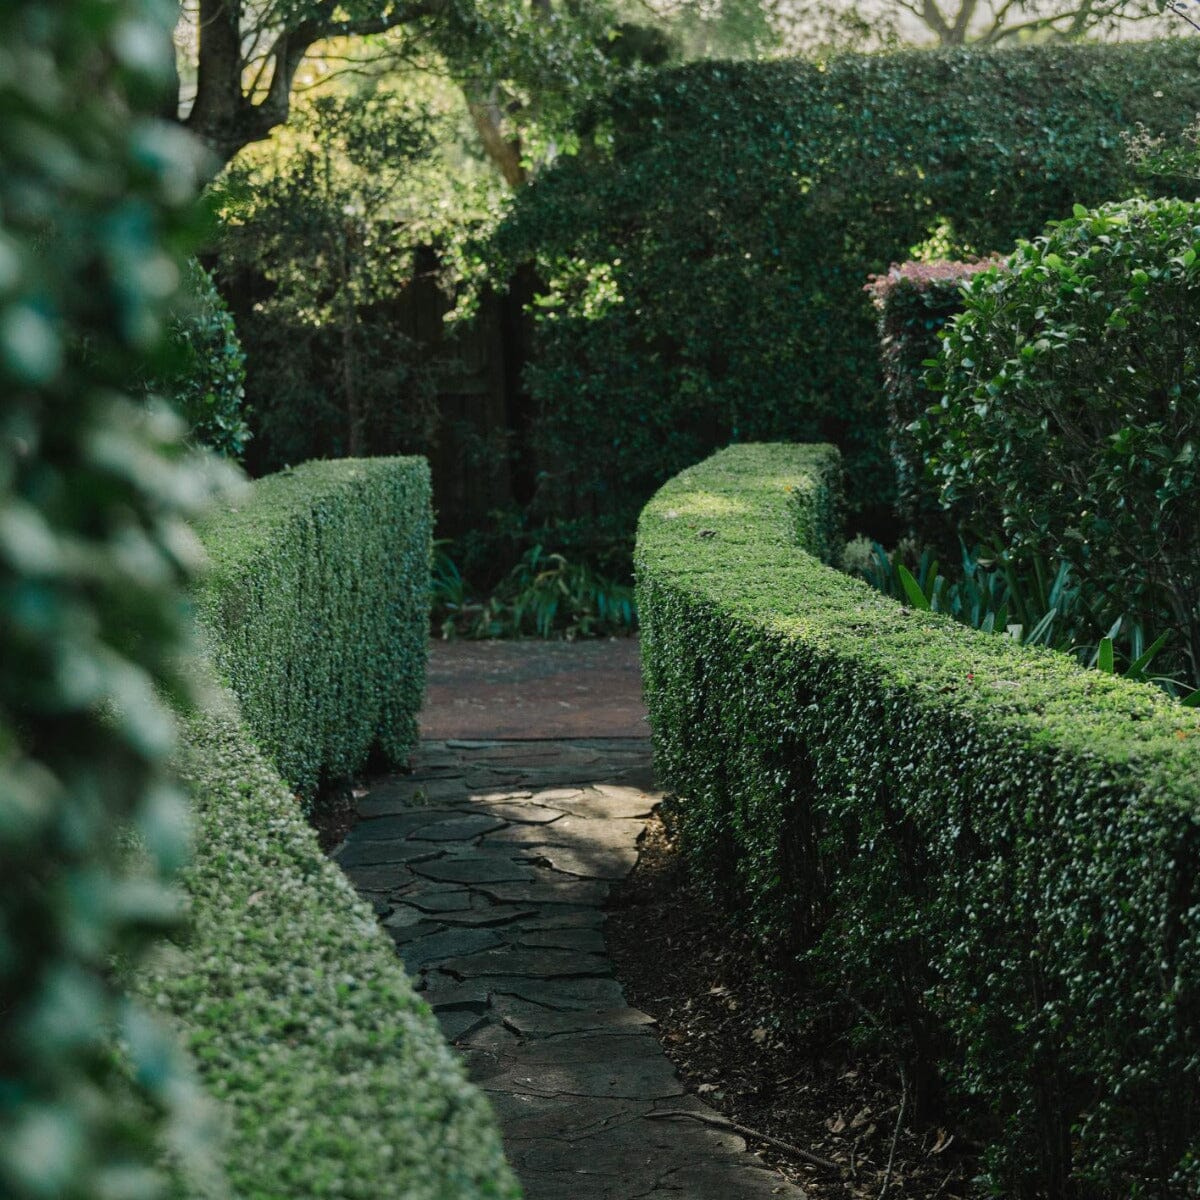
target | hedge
[
  {"x": 993, "y": 850},
  {"x": 332, "y": 1076},
  {"x": 96, "y": 215},
  {"x": 316, "y": 606},
  {"x": 708, "y": 245}
]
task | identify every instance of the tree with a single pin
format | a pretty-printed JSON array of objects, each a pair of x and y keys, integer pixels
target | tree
[
  {"x": 803, "y": 23},
  {"x": 514, "y": 61},
  {"x": 311, "y": 223},
  {"x": 241, "y": 57}
]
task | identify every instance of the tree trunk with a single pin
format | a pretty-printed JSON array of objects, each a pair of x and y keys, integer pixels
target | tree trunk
[{"x": 504, "y": 152}]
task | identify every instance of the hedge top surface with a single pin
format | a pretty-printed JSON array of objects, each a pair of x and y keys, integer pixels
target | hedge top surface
[
  {"x": 231, "y": 540},
  {"x": 725, "y": 531}
]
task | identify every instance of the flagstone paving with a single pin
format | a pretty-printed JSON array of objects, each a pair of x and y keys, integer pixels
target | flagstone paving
[{"x": 490, "y": 865}]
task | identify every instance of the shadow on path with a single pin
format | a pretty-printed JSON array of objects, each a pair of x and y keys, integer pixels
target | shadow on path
[{"x": 490, "y": 866}]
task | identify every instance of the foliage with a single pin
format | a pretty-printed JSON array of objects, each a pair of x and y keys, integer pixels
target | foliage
[
  {"x": 95, "y": 216},
  {"x": 1034, "y": 601},
  {"x": 333, "y": 1074},
  {"x": 316, "y": 609},
  {"x": 206, "y": 383},
  {"x": 311, "y": 225},
  {"x": 545, "y": 595},
  {"x": 914, "y": 300},
  {"x": 1069, "y": 401},
  {"x": 704, "y": 253},
  {"x": 993, "y": 850}
]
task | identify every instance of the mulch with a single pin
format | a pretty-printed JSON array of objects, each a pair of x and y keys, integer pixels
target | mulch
[{"x": 725, "y": 1029}]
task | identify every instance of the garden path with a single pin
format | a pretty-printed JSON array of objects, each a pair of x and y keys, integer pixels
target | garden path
[{"x": 490, "y": 864}]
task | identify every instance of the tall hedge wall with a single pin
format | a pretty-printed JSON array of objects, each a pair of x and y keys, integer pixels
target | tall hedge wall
[
  {"x": 316, "y": 605},
  {"x": 704, "y": 255},
  {"x": 332, "y": 1076},
  {"x": 995, "y": 851}
]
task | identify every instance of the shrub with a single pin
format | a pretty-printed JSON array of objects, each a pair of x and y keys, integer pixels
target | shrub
[
  {"x": 316, "y": 607},
  {"x": 704, "y": 254},
  {"x": 209, "y": 387},
  {"x": 95, "y": 206},
  {"x": 992, "y": 849},
  {"x": 333, "y": 1075},
  {"x": 1071, "y": 400},
  {"x": 914, "y": 300}
]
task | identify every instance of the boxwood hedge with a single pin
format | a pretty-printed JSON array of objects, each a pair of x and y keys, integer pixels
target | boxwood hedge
[
  {"x": 993, "y": 850},
  {"x": 708, "y": 245},
  {"x": 316, "y": 607},
  {"x": 331, "y": 1073}
]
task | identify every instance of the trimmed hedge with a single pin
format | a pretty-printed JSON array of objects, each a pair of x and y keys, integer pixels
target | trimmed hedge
[
  {"x": 317, "y": 610},
  {"x": 707, "y": 247},
  {"x": 994, "y": 850},
  {"x": 333, "y": 1077},
  {"x": 332, "y": 1074}
]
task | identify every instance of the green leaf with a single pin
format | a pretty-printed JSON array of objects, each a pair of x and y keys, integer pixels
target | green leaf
[
  {"x": 912, "y": 589},
  {"x": 1104, "y": 656},
  {"x": 1137, "y": 668}
]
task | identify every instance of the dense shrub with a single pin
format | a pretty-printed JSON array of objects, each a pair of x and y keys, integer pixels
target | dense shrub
[
  {"x": 914, "y": 300},
  {"x": 994, "y": 851},
  {"x": 208, "y": 384},
  {"x": 95, "y": 206},
  {"x": 317, "y": 610},
  {"x": 1072, "y": 401},
  {"x": 333, "y": 1076},
  {"x": 704, "y": 254}
]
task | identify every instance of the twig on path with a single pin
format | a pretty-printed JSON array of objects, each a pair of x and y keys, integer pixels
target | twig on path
[
  {"x": 719, "y": 1122},
  {"x": 887, "y": 1178}
]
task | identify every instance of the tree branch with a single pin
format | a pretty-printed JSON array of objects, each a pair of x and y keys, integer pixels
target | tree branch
[{"x": 224, "y": 116}]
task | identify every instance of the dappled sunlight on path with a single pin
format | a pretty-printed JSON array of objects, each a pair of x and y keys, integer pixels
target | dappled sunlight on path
[{"x": 490, "y": 865}]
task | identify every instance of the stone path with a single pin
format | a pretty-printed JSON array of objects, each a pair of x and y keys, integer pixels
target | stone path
[{"x": 490, "y": 865}]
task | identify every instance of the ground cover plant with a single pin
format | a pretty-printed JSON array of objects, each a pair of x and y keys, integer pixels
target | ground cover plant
[
  {"x": 707, "y": 246},
  {"x": 1010, "y": 899},
  {"x": 545, "y": 595}
]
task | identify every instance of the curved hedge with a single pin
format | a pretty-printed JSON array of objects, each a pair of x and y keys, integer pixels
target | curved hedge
[
  {"x": 994, "y": 850},
  {"x": 331, "y": 1073},
  {"x": 316, "y": 606},
  {"x": 709, "y": 245}
]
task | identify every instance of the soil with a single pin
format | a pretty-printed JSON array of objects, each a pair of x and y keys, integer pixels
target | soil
[
  {"x": 334, "y": 815},
  {"x": 719, "y": 1023}
]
